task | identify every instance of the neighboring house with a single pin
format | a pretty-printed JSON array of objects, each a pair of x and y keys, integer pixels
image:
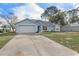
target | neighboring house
[
  {"x": 71, "y": 27},
  {"x": 4, "y": 28},
  {"x": 33, "y": 26},
  {"x": 7, "y": 27},
  {"x": 1, "y": 27}
]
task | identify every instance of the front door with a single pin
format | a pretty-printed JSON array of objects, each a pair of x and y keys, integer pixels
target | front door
[{"x": 38, "y": 28}]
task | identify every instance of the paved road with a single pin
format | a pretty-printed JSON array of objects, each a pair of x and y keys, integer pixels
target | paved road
[{"x": 34, "y": 45}]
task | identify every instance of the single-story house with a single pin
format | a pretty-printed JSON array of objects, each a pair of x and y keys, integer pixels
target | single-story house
[
  {"x": 33, "y": 26},
  {"x": 71, "y": 27},
  {"x": 4, "y": 28},
  {"x": 1, "y": 27}
]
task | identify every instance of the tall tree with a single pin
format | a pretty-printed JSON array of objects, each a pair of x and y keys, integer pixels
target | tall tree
[
  {"x": 52, "y": 10},
  {"x": 13, "y": 20},
  {"x": 44, "y": 15},
  {"x": 54, "y": 15},
  {"x": 9, "y": 19},
  {"x": 74, "y": 17},
  {"x": 49, "y": 11},
  {"x": 58, "y": 18}
]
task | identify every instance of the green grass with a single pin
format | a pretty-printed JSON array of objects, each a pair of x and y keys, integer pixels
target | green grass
[
  {"x": 68, "y": 39},
  {"x": 4, "y": 38}
]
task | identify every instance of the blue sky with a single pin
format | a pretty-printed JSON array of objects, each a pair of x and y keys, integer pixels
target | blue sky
[
  {"x": 32, "y": 9},
  {"x": 7, "y": 6},
  {"x": 66, "y": 6}
]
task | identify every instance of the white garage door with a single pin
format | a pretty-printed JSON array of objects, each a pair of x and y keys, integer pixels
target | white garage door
[{"x": 26, "y": 29}]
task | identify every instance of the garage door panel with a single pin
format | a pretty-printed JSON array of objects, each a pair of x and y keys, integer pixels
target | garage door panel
[{"x": 27, "y": 28}]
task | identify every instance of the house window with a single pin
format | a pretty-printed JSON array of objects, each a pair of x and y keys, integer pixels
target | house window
[
  {"x": 44, "y": 27},
  {"x": 57, "y": 28}
]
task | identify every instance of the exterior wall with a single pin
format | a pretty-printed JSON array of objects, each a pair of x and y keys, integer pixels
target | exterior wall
[
  {"x": 50, "y": 26},
  {"x": 70, "y": 28},
  {"x": 25, "y": 23},
  {"x": 67, "y": 28},
  {"x": 57, "y": 27},
  {"x": 75, "y": 28}
]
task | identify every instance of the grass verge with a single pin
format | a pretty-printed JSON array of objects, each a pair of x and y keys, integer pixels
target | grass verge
[
  {"x": 68, "y": 39},
  {"x": 4, "y": 38}
]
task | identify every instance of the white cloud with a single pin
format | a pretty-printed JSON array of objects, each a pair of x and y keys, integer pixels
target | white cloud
[
  {"x": 58, "y": 5},
  {"x": 2, "y": 19},
  {"x": 61, "y": 8},
  {"x": 75, "y": 5},
  {"x": 30, "y": 10}
]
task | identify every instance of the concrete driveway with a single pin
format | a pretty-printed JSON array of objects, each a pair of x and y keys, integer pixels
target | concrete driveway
[{"x": 34, "y": 45}]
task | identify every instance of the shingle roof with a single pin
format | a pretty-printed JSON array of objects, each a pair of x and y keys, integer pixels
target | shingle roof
[{"x": 37, "y": 21}]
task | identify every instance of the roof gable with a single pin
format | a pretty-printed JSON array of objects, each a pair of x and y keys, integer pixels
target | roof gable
[
  {"x": 22, "y": 21},
  {"x": 33, "y": 21}
]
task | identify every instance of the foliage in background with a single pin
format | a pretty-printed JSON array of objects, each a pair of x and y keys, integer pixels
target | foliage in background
[{"x": 54, "y": 15}]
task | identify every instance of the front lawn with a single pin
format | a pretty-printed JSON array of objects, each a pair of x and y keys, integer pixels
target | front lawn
[
  {"x": 4, "y": 38},
  {"x": 68, "y": 39}
]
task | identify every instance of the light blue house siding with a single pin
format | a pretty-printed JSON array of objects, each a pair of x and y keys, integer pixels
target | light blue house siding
[
  {"x": 33, "y": 26},
  {"x": 71, "y": 27}
]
